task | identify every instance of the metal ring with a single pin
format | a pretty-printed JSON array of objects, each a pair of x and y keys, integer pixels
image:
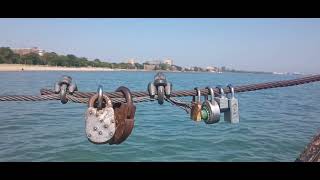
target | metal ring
[
  {"x": 231, "y": 90},
  {"x": 221, "y": 92},
  {"x": 100, "y": 96}
]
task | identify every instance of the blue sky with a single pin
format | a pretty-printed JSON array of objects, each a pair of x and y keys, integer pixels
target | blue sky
[{"x": 282, "y": 45}]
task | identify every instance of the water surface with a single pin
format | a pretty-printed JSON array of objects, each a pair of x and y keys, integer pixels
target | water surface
[{"x": 275, "y": 124}]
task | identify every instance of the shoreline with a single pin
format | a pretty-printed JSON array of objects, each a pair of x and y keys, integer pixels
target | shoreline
[
  {"x": 46, "y": 68},
  {"x": 23, "y": 67}
]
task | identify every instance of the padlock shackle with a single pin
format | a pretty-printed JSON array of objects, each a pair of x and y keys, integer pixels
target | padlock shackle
[
  {"x": 198, "y": 94},
  {"x": 127, "y": 94},
  {"x": 100, "y": 96},
  {"x": 231, "y": 90},
  {"x": 211, "y": 93},
  {"x": 221, "y": 92}
]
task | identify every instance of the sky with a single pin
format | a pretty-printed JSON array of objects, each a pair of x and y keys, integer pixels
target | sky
[{"x": 273, "y": 45}]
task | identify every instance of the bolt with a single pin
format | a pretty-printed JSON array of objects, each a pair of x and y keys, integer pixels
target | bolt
[
  {"x": 95, "y": 128},
  {"x": 89, "y": 135},
  {"x": 106, "y": 126},
  {"x": 112, "y": 121},
  {"x": 100, "y": 132},
  {"x": 111, "y": 134},
  {"x": 90, "y": 112},
  {"x": 101, "y": 120}
]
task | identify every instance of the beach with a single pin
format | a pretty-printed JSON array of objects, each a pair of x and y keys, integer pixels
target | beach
[{"x": 23, "y": 67}]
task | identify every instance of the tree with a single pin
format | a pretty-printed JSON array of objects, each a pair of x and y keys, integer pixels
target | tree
[
  {"x": 16, "y": 59},
  {"x": 7, "y": 55},
  {"x": 164, "y": 66},
  {"x": 31, "y": 58}
]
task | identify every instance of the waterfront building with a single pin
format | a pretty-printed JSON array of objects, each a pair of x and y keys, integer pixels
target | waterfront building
[
  {"x": 168, "y": 61},
  {"x": 24, "y": 51},
  {"x": 131, "y": 61}
]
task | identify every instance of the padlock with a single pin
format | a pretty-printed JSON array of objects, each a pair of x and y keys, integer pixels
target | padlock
[
  {"x": 124, "y": 117},
  {"x": 232, "y": 114},
  {"x": 196, "y": 107},
  {"x": 210, "y": 111},
  {"x": 222, "y": 100},
  {"x": 100, "y": 121}
]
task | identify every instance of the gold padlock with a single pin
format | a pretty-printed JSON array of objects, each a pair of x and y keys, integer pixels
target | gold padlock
[{"x": 196, "y": 106}]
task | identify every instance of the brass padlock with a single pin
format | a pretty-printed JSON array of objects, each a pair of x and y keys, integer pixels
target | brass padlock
[
  {"x": 124, "y": 117},
  {"x": 196, "y": 106}
]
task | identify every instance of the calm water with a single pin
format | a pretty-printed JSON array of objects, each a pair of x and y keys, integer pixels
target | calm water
[{"x": 275, "y": 124}]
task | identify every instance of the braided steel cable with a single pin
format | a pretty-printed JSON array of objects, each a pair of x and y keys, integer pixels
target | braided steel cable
[
  {"x": 49, "y": 97},
  {"x": 182, "y": 93},
  {"x": 142, "y": 96}
]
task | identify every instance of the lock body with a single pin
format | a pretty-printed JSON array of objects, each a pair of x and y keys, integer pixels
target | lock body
[
  {"x": 100, "y": 124},
  {"x": 232, "y": 114}
]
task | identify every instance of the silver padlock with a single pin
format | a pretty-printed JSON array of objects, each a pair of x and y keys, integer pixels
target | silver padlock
[
  {"x": 100, "y": 119},
  {"x": 210, "y": 111},
  {"x": 222, "y": 100},
  {"x": 232, "y": 114}
]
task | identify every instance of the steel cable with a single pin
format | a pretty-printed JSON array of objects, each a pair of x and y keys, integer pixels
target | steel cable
[{"x": 143, "y": 96}]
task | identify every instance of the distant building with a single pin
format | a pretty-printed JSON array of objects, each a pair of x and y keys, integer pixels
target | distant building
[
  {"x": 212, "y": 69},
  {"x": 24, "y": 51},
  {"x": 173, "y": 68},
  {"x": 131, "y": 61},
  {"x": 149, "y": 67},
  {"x": 154, "y": 62},
  {"x": 168, "y": 61}
]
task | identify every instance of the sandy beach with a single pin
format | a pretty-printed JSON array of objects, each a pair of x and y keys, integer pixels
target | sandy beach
[{"x": 23, "y": 67}]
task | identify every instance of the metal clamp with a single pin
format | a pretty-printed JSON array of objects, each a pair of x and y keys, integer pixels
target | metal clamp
[
  {"x": 160, "y": 87},
  {"x": 63, "y": 86}
]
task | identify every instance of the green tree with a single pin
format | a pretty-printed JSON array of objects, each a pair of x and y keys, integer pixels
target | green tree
[
  {"x": 164, "y": 66},
  {"x": 72, "y": 60},
  {"x": 31, "y": 58},
  {"x": 7, "y": 55}
]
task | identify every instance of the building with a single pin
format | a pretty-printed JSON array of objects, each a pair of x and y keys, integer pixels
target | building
[
  {"x": 212, "y": 69},
  {"x": 168, "y": 61},
  {"x": 131, "y": 61},
  {"x": 154, "y": 62},
  {"x": 149, "y": 67},
  {"x": 24, "y": 51}
]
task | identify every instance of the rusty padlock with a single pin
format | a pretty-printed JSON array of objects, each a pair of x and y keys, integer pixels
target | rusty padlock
[
  {"x": 124, "y": 117},
  {"x": 196, "y": 106}
]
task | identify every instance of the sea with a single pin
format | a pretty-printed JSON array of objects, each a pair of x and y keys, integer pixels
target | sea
[{"x": 275, "y": 124}]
